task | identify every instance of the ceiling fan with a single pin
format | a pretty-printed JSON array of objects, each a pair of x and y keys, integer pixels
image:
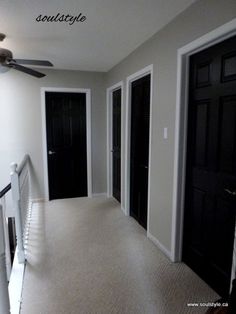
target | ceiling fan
[{"x": 8, "y": 62}]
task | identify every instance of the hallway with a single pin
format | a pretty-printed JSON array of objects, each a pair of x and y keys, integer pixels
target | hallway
[{"x": 85, "y": 256}]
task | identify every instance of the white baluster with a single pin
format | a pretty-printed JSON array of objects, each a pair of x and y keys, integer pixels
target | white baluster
[
  {"x": 16, "y": 201},
  {"x": 7, "y": 243},
  {"x": 4, "y": 296}
]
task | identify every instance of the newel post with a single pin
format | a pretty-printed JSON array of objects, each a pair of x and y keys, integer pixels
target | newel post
[
  {"x": 15, "y": 187},
  {"x": 4, "y": 296}
]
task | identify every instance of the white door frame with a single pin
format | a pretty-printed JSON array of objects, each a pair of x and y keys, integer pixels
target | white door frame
[
  {"x": 219, "y": 34},
  {"x": 87, "y": 91},
  {"x": 110, "y": 91},
  {"x": 145, "y": 71}
]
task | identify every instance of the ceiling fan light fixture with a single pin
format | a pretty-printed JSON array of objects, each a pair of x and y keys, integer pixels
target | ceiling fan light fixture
[
  {"x": 4, "y": 69},
  {"x": 2, "y": 36}
]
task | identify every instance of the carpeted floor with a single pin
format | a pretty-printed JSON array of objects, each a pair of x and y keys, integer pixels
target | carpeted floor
[{"x": 86, "y": 257}]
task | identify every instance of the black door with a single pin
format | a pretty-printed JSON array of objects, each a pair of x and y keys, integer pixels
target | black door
[
  {"x": 211, "y": 165},
  {"x": 66, "y": 144},
  {"x": 116, "y": 142},
  {"x": 139, "y": 150}
]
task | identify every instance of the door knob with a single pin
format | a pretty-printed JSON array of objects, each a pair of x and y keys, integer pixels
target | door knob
[
  {"x": 230, "y": 192},
  {"x": 143, "y": 166},
  {"x": 50, "y": 152}
]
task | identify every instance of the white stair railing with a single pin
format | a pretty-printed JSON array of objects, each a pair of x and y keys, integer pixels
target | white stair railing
[
  {"x": 20, "y": 187},
  {"x": 5, "y": 255},
  {"x": 6, "y": 230},
  {"x": 20, "y": 184}
]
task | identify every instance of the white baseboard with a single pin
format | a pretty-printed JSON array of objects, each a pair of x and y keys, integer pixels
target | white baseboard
[
  {"x": 123, "y": 210},
  {"x": 159, "y": 245},
  {"x": 37, "y": 200},
  {"x": 99, "y": 194}
]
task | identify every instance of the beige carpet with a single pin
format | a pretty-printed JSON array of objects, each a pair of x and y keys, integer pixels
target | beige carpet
[{"x": 85, "y": 256}]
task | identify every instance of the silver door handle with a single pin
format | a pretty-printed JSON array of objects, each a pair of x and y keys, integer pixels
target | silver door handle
[
  {"x": 230, "y": 192},
  {"x": 50, "y": 152},
  {"x": 143, "y": 166}
]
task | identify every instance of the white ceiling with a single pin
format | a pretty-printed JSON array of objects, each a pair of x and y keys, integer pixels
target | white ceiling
[{"x": 113, "y": 29}]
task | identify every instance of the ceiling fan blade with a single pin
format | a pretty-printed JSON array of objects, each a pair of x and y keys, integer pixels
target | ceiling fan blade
[
  {"x": 34, "y": 62},
  {"x": 25, "y": 70}
]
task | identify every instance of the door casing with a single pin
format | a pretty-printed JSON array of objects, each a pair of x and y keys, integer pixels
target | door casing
[
  {"x": 145, "y": 71},
  {"x": 218, "y": 35},
  {"x": 88, "y": 131},
  {"x": 110, "y": 90}
]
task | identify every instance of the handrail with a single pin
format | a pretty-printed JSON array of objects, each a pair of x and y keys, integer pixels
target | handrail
[
  {"x": 22, "y": 164},
  {"x": 5, "y": 190}
]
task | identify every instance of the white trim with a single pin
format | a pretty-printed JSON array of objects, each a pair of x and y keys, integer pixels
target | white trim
[
  {"x": 89, "y": 143},
  {"x": 99, "y": 194},
  {"x": 145, "y": 71},
  {"x": 219, "y": 34},
  {"x": 37, "y": 200},
  {"x": 159, "y": 245},
  {"x": 110, "y": 90},
  {"x": 87, "y": 91},
  {"x": 123, "y": 210}
]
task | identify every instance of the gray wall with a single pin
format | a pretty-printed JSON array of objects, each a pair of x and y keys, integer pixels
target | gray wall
[
  {"x": 161, "y": 51},
  {"x": 21, "y": 122}
]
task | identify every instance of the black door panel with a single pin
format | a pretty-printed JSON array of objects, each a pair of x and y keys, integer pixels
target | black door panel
[
  {"x": 116, "y": 143},
  {"x": 139, "y": 153},
  {"x": 66, "y": 144},
  {"x": 209, "y": 221}
]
